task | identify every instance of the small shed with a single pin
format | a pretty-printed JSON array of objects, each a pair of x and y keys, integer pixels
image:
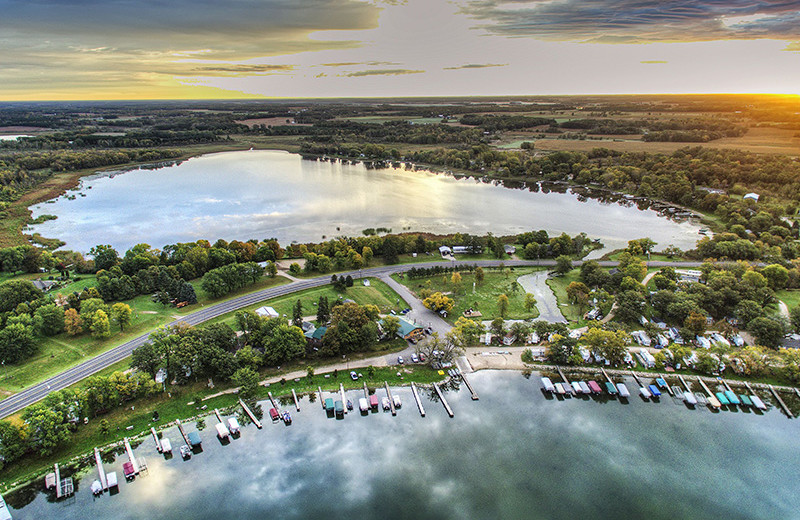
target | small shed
[
  {"x": 267, "y": 312},
  {"x": 445, "y": 251},
  {"x": 751, "y": 196}
]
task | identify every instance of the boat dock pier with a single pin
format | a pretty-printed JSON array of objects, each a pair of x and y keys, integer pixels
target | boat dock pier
[
  {"x": 605, "y": 374},
  {"x": 416, "y": 398},
  {"x": 131, "y": 457},
  {"x": 321, "y": 400},
  {"x": 183, "y": 433},
  {"x": 64, "y": 488},
  {"x": 296, "y": 402},
  {"x": 780, "y": 401},
  {"x": 366, "y": 391},
  {"x": 469, "y": 386},
  {"x": 638, "y": 382},
  {"x": 272, "y": 400},
  {"x": 100, "y": 469},
  {"x": 712, "y": 400},
  {"x": 156, "y": 439},
  {"x": 444, "y": 401},
  {"x": 566, "y": 381},
  {"x": 249, "y": 414},
  {"x": 344, "y": 399},
  {"x": 391, "y": 401}
]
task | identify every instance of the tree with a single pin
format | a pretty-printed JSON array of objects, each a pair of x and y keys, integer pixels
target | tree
[
  {"x": 498, "y": 326},
  {"x": 247, "y": 356},
  {"x": 186, "y": 293},
  {"x": 366, "y": 254},
  {"x": 767, "y": 332},
  {"x": 49, "y": 319},
  {"x": 455, "y": 279},
  {"x": 578, "y": 294},
  {"x": 16, "y": 342},
  {"x": 146, "y": 358},
  {"x": 121, "y": 313},
  {"x": 101, "y": 325},
  {"x": 479, "y": 275},
  {"x": 104, "y": 428},
  {"x": 323, "y": 312},
  {"x": 297, "y": 314},
  {"x": 502, "y": 305},
  {"x": 14, "y": 292},
  {"x": 696, "y": 323},
  {"x": 13, "y": 441},
  {"x": 438, "y": 302},
  {"x": 310, "y": 372},
  {"x": 281, "y": 342},
  {"x": 467, "y": 330},
  {"x": 611, "y": 345},
  {"x": 794, "y": 317},
  {"x": 776, "y": 276},
  {"x": 73, "y": 323},
  {"x": 563, "y": 264},
  {"x": 247, "y": 380},
  {"x": 105, "y": 256},
  {"x": 530, "y": 302},
  {"x": 391, "y": 324},
  {"x": 47, "y": 426},
  {"x": 629, "y": 306},
  {"x": 272, "y": 269}
]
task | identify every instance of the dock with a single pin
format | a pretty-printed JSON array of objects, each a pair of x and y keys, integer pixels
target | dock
[
  {"x": 156, "y": 439},
  {"x": 183, "y": 433},
  {"x": 444, "y": 401},
  {"x": 296, "y": 402},
  {"x": 344, "y": 399},
  {"x": 469, "y": 386},
  {"x": 608, "y": 378},
  {"x": 131, "y": 457},
  {"x": 100, "y": 469},
  {"x": 321, "y": 400},
  {"x": 64, "y": 488},
  {"x": 249, "y": 414},
  {"x": 638, "y": 382},
  {"x": 219, "y": 417},
  {"x": 712, "y": 400},
  {"x": 780, "y": 402},
  {"x": 274, "y": 404},
  {"x": 797, "y": 392},
  {"x": 566, "y": 381},
  {"x": 389, "y": 395},
  {"x": 366, "y": 391},
  {"x": 416, "y": 398}
]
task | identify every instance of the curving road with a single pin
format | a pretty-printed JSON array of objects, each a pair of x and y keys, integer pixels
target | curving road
[{"x": 72, "y": 375}]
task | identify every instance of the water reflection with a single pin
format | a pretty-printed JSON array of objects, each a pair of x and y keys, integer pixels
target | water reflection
[{"x": 257, "y": 194}]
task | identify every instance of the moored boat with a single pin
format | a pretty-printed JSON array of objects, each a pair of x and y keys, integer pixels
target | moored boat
[
  {"x": 644, "y": 392},
  {"x": 273, "y": 414},
  {"x": 385, "y": 403},
  {"x": 547, "y": 385},
  {"x": 576, "y": 388},
  {"x": 397, "y": 402},
  {"x": 623, "y": 390},
  {"x": 5, "y": 514},
  {"x": 746, "y": 401},
  {"x": 338, "y": 407},
  {"x": 610, "y": 388},
  {"x": 722, "y": 399},
  {"x": 661, "y": 382},
  {"x": 585, "y": 388},
  {"x": 655, "y": 391},
  {"x": 287, "y": 418},
  {"x": 166, "y": 445},
  {"x": 559, "y": 388},
  {"x": 373, "y": 402},
  {"x": 689, "y": 398},
  {"x": 732, "y": 398},
  {"x": 363, "y": 405},
  {"x": 594, "y": 387},
  {"x": 97, "y": 489},
  {"x": 329, "y": 405},
  {"x": 186, "y": 451},
  {"x": 233, "y": 425},
  {"x": 758, "y": 402}
]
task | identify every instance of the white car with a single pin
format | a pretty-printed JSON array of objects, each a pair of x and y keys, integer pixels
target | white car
[
  {"x": 414, "y": 358},
  {"x": 400, "y": 360},
  {"x": 353, "y": 375}
]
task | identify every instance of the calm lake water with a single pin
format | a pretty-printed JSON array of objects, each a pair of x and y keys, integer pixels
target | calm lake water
[
  {"x": 263, "y": 194},
  {"x": 513, "y": 454}
]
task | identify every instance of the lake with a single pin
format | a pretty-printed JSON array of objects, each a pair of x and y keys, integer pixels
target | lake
[
  {"x": 265, "y": 194},
  {"x": 512, "y": 454}
]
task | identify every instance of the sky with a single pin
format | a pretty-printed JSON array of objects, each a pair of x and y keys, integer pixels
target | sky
[{"x": 194, "y": 49}]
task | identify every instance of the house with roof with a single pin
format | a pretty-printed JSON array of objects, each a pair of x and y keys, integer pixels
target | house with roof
[
  {"x": 267, "y": 312},
  {"x": 751, "y": 196},
  {"x": 407, "y": 330}
]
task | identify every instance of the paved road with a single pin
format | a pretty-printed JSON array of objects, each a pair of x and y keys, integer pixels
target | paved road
[
  {"x": 546, "y": 302},
  {"x": 74, "y": 374}
]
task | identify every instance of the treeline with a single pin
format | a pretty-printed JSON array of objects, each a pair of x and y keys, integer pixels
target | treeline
[
  {"x": 337, "y": 131},
  {"x": 229, "y": 278},
  {"x": 492, "y": 122},
  {"x": 22, "y": 171},
  {"x": 51, "y": 423}
]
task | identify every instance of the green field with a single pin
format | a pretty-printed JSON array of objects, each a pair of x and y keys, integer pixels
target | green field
[
  {"x": 790, "y": 297},
  {"x": 378, "y": 293},
  {"x": 483, "y": 297},
  {"x": 559, "y": 286}
]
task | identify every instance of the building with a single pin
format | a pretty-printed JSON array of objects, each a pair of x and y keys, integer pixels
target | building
[
  {"x": 445, "y": 251},
  {"x": 751, "y": 196},
  {"x": 509, "y": 249},
  {"x": 314, "y": 336},
  {"x": 44, "y": 285},
  {"x": 407, "y": 329},
  {"x": 688, "y": 275},
  {"x": 267, "y": 312}
]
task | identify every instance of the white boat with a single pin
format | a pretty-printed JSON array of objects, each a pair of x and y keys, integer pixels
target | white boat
[
  {"x": 111, "y": 479},
  {"x": 186, "y": 452},
  {"x": 97, "y": 487},
  {"x": 560, "y": 388},
  {"x": 385, "y": 403},
  {"x": 623, "y": 390},
  {"x": 363, "y": 404},
  {"x": 5, "y": 514},
  {"x": 222, "y": 431},
  {"x": 645, "y": 392},
  {"x": 397, "y": 402},
  {"x": 585, "y": 388},
  {"x": 576, "y": 387},
  {"x": 233, "y": 425},
  {"x": 166, "y": 446},
  {"x": 548, "y": 385},
  {"x": 758, "y": 402}
]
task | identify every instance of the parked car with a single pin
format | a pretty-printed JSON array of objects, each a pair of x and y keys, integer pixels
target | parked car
[
  {"x": 414, "y": 358},
  {"x": 400, "y": 360},
  {"x": 422, "y": 357},
  {"x": 353, "y": 375}
]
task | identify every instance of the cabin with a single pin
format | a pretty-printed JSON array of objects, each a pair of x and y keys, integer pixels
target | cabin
[
  {"x": 688, "y": 275},
  {"x": 408, "y": 330},
  {"x": 315, "y": 336},
  {"x": 445, "y": 251},
  {"x": 267, "y": 312},
  {"x": 751, "y": 196},
  {"x": 509, "y": 339},
  {"x": 509, "y": 249},
  {"x": 44, "y": 285}
]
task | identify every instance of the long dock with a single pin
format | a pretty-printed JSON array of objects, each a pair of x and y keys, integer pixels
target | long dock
[
  {"x": 321, "y": 400},
  {"x": 131, "y": 456},
  {"x": 685, "y": 384},
  {"x": 712, "y": 400},
  {"x": 469, "y": 386},
  {"x": 250, "y": 414},
  {"x": 416, "y": 398},
  {"x": 219, "y": 417},
  {"x": 444, "y": 401},
  {"x": 797, "y": 392},
  {"x": 296, "y": 402},
  {"x": 638, "y": 382},
  {"x": 780, "y": 401},
  {"x": 272, "y": 400},
  {"x": 100, "y": 469},
  {"x": 389, "y": 395},
  {"x": 344, "y": 399},
  {"x": 603, "y": 370},
  {"x": 366, "y": 391},
  {"x": 58, "y": 480},
  {"x": 183, "y": 433},
  {"x": 566, "y": 381},
  {"x": 156, "y": 439}
]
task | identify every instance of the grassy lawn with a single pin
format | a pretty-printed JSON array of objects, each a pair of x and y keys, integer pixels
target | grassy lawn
[
  {"x": 559, "y": 286},
  {"x": 790, "y": 297},
  {"x": 484, "y": 296},
  {"x": 378, "y": 293},
  {"x": 61, "y": 352},
  {"x": 138, "y": 414}
]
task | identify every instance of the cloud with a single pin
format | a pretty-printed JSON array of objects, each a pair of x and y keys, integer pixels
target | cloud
[
  {"x": 654, "y": 62},
  {"x": 477, "y": 66},
  {"x": 382, "y": 72},
  {"x": 634, "y": 21},
  {"x": 354, "y": 63},
  {"x": 232, "y": 70},
  {"x": 793, "y": 47}
]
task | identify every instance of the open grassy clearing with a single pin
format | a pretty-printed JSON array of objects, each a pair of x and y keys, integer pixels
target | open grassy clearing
[
  {"x": 559, "y": 286},
  {"x": 790, "y": 297},
  {"x": 482, "y": 297}
]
